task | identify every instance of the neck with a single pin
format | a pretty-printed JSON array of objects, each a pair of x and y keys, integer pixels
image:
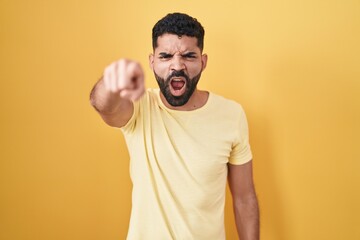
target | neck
[{"x": 197, "y": 100}]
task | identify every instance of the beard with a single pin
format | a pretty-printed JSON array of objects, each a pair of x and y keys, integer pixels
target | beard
[{"x": 190, "y": 86}]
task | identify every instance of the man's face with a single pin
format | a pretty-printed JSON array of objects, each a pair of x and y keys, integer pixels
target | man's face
[{"x": 177, "y": 63}]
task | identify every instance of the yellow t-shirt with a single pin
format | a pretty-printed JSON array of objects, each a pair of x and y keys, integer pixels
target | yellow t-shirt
[{"x": 179, "y": 169}]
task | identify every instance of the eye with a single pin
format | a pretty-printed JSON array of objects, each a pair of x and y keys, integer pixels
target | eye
[
  {"x": 165, "y": 56},
  {"x": 189, "y": 56}
]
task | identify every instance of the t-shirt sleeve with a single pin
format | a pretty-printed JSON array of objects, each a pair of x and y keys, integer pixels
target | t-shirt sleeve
[
  {"x": 131, "y": 124},
  {"x": 241, "y": 152}
]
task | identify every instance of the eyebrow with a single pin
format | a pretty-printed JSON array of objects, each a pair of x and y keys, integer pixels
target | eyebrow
[{"x": 189, "y": 54}]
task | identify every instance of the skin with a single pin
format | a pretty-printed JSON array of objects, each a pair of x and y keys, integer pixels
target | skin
[
  {"x": 112, "y": 96},
  {"x": 123, "y": 82},
  {"x": 245, "y": 202},
  {"x": 179, "y": 53}
]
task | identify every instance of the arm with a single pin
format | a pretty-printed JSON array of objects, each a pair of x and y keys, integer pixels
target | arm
[
  {"x": 112, "y": 95},
  {"x": 244, "y": 201}
]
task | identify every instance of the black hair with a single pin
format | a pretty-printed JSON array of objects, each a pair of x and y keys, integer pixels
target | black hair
[{"x": 179, "y": 24}]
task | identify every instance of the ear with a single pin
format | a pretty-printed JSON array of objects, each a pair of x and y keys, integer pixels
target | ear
[
  {"x": 204, "y": 59},
  {"x": 151, "y": 61}
]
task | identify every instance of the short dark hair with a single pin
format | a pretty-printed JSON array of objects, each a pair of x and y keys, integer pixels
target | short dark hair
[{"x": 179, "y": 24}]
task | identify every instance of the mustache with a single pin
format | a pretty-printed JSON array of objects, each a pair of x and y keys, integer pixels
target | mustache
[{"x": 176, "y": 73}]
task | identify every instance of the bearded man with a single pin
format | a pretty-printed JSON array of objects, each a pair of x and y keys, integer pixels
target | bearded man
[{"x": 184, "y": 143}]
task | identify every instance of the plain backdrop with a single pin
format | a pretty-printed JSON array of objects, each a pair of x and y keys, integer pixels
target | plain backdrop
[{"x": 293, "y": 65}]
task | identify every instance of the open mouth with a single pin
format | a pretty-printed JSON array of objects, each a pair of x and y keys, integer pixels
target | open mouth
[{"x": 177, "y": 86}]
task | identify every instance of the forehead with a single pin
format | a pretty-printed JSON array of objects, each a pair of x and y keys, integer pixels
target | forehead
[{"x": 173, "y": 43}]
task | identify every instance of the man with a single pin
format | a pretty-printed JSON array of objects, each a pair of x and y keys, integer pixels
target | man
[{"x": 183, "y": 142}]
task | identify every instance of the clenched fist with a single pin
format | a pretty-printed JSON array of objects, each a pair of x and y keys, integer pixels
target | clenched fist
[{"x": 126, "y": 78}]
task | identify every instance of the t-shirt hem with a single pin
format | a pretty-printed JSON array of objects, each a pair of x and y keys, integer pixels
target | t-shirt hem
[{"x": 235, "y": 162}]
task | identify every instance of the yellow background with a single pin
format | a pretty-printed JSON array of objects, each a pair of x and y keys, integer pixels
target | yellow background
[{"x": 293, "y": 65}]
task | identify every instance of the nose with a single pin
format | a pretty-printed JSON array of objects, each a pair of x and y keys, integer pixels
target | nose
[{"x": 177, "y": 63}]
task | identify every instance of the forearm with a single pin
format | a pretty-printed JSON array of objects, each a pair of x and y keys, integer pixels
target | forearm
[{"x": 247, "y": 217}]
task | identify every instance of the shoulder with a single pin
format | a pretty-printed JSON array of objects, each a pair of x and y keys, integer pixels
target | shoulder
[
  {"x": 152, "y": 92},
  {"x": 226, "y": 104},
  {"x": 150, "y": 96},
  {"x": 142, "y": 108}
]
